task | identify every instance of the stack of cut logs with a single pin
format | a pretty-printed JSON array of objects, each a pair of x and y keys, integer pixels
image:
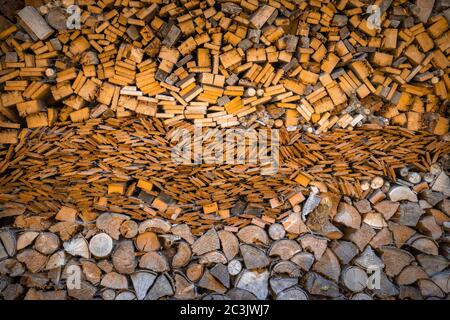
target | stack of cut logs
[
  {"x": 105, "y": 197},
  {"x": 92, "y": 205},
  {"x": 309, "y": 65},
  {"x": 393, "y": 244}
]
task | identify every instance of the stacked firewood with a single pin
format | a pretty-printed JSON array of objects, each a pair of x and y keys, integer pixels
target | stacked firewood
[
  {"x": 394, "y": 246},
  {"x": 93, "y": 95},
  {"x": 314, "y": 65},
  {"x": 125, "y": 166},
  {"x": 105, "y": 196}
]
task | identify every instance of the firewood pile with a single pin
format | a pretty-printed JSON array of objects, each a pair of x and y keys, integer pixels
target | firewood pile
[
  {"x": 140, "y": 226},
  {"x": 227, "y": 63},
  {"x": 92, "y": 205}
]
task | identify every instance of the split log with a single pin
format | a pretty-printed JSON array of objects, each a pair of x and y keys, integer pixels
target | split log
[
  {"x": 304, "y": 260},
  {"x": 328, "y": 265},
  {"x": 206, "y": 243},
  {"x": 56, "y": 260},
  {"x": 92, "y": 273},
  {"x": 8, "y": 239},
  {"x": 213, "y": 257},
  {"x": 279, "y": 284},
  {"x": 344, "y": 250},
  {"x": 254, "y": 258},
  {"x": 432, "y": 264},
  {"x": 142, "y": 281},
  {"x": 411, "y": 274},
  {"x": 285, "y": 249},
  {"x": 348, "y": 216},
  {"x": 194, "y": 271},
  {"x": 314, "y": 244},
  {"x": 387, "y": 208},
  {"x": 114, "y": 280},
  {"x": 368, "y": 259},
  {"x": 254, "y": 282},
  {"x": 220, "y": 272},
  {"x": 362, "y": 236},
  {"x": 424, "y": 245},
  {"x": 77, "y": 247},
  {"x": 230, "y": 244},
  {"x": 253, "y": 235},
  {"x": 154, "y": 261},
  {"x": 123, "y": 257},
  {"x": 209, "y": 282},
  {"x": 183, "y": 255},
  {"x": 184, "y": 289},
  {"x": 25, "y": 239},
  {"x": 318, "y": 285},
  {"x": 147, "y": 241}
]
